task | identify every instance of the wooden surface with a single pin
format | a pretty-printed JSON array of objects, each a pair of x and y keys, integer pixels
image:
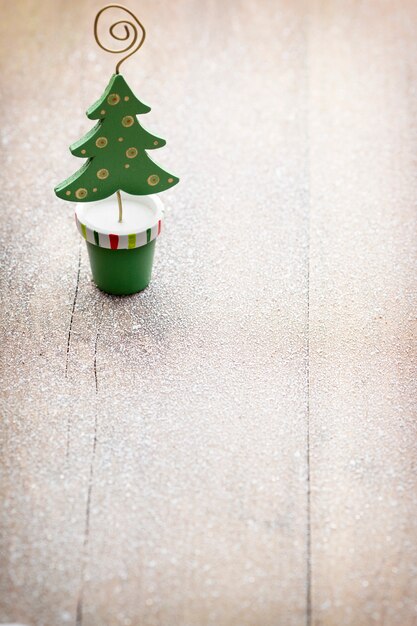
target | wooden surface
[{"x": 236, "y": 446}]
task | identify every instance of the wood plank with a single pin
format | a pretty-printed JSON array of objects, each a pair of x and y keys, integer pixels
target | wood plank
[
  {"x": 362, "y": 313},
  {"x": 47, "y": 422}
]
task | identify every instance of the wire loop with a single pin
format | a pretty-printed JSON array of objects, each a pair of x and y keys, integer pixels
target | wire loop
[{"x": 131, "y": 32}]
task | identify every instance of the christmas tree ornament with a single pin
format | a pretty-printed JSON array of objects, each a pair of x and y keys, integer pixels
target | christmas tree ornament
[{"x": 120, "y": 234}]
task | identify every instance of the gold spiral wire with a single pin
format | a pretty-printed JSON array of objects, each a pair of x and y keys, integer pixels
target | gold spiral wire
[{"x": 131, "y": 32}]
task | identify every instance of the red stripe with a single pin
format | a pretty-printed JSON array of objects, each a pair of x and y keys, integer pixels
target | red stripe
[
  {"x": 159, "y": 226},
  {"x": 114, "y": 241}
]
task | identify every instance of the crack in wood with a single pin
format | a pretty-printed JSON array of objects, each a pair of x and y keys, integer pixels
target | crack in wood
[
  {"x": 309, "y": 600},
  {"x": 308, "y": 477},
  {"x": 308, "y": 494},
  {"x": 308, "y": 528},
  {"x": 74, "y": 302},
  {"x": 79, "y": 609}
]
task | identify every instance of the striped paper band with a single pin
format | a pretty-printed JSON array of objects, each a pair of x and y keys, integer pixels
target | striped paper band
[{"x": 119, "y": 242}]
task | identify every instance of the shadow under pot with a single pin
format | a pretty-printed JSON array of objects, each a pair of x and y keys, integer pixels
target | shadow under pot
[{"x": 121, "y": 253}]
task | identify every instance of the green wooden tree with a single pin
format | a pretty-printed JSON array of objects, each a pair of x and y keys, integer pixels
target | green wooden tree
[{"x": 116, "y": 151}]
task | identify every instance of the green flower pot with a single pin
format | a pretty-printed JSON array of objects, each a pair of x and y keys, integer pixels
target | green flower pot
[
  {"x": 121, "y": 254},
  {"x": 121, "y": 272}
]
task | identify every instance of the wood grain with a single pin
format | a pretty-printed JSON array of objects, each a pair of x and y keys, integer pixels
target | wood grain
[{"x": 236, "y": 445}]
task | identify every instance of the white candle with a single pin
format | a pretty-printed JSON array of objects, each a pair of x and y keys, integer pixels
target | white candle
[{"x": 140, "y": 213}]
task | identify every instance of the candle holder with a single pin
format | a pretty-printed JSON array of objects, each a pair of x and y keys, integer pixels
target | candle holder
[{"x": 120, "y": 236}]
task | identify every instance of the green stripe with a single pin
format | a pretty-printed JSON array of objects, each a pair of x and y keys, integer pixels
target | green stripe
[
  {"x": 131, "y": 241},
  {"x": 96, "y": 239},
  {"x": 84, "y": 230},
  {"x": 148, "y": 235}
]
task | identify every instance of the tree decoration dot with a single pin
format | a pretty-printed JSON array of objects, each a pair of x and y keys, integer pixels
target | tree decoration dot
[
  {"x": 103, "y": 174},
  {"x": 128, "y": 121},
  {"x": 101, "y": 142},
  {"x": 113, "y": 99},
  {"x": 131, "y": 153},
  {"x": 153, "y": 180},
  {"x": 81, "y": 193}
]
